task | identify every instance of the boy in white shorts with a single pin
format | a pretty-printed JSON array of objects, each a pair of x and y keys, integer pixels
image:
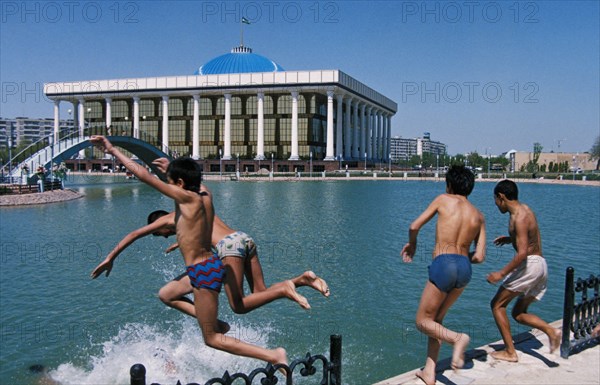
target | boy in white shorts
[{"x": 524, "y": 276}]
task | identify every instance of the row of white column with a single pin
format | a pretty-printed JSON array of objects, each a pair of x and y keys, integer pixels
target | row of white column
[{"x": 363, "y": 132}]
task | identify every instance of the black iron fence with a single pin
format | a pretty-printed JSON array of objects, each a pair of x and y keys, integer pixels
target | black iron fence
[
  {"x": 331, "y": 370},
  {"x": 581, "y": 317}
]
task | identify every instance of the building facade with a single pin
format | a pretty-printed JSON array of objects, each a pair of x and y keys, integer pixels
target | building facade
[
  {"x": 22, "y": 130},
  {"x": 549, "y": 160},
  {"x": 405, "y": 148},
  {"x": 239, "y": 106}
]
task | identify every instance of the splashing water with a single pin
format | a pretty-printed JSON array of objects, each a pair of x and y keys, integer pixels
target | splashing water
[{"x": 168, "y": 356}]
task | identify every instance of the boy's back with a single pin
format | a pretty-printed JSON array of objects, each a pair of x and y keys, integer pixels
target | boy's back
[{"x": 458, "y": 224}]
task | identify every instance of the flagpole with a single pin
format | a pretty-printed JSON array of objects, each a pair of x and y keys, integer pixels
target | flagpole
[{"x": 241, "y": 33}]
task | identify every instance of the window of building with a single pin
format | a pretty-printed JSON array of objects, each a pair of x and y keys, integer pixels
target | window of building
[
  {"x": 285, "y": 129},
  {"x": 208, "y": 132},
  {"x": 252, "y": 105},
  {"x": 147, "y": 108},
  {"x": 284, "y": 104},
  {"x": 268, "y": 104},
  {"x": 270, "y": 130},
  {"x": 237, "y": 131},
  {"x": 205, "y": 107},
  {"x": 119, "y": 109}
]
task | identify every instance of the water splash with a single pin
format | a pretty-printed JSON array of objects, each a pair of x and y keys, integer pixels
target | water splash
[{"x": 168, "y": 355}]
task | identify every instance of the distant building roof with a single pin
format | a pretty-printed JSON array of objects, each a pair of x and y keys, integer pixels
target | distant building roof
[{"x": 240, "y": 60}]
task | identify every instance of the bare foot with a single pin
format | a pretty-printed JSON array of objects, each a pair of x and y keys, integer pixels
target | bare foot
[
  {"x": 596, "y": 331},
  {"x": 290, "y": 292},
  {"x": 279, "y": 356},
  {"x": 555, "y": 341},
  {"x": 458, "y": 353},
  {"x": 309, "y": 278},
  {"x": 504, "y": 356},
  {"x": 427, "y": 379}
]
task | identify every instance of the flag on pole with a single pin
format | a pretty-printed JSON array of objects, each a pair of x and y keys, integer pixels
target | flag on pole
[{"x": 245, "y": 21}]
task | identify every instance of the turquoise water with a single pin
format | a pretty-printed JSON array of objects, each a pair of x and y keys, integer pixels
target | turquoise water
[{"x": 91, "y": 331}]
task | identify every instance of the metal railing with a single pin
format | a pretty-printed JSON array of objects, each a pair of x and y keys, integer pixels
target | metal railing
[
  {"x": 331, "y": 370},
  {"x": 579, "y": 318}
]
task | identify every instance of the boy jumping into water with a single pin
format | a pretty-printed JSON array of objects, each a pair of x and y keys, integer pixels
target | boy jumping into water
[
  {"x": 459, "y": 224},
  {"x": 526, "y": 274},
  {"x": 240, "y": 257},
  {"x": 194, "y": 215}
]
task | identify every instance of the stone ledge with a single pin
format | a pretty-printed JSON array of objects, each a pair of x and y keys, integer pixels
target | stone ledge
[{"x": 39, "y": 198}]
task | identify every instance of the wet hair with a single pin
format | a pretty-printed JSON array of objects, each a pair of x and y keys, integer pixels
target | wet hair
[
  {"x": 188, "y": 170},
  {"x": 460, "y": 179},
  {"x": 508, "y": 188},
  {"x": 153, "y": 216}
]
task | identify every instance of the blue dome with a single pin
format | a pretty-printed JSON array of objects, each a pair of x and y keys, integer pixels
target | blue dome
[{"x": 240, "y": 60}]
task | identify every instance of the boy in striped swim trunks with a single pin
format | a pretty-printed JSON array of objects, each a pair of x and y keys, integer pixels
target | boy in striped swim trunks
[
  {"x": 193, "y": 223},
  {"x": 239, "y": 255},
  {"x": 524, "y": 276}
]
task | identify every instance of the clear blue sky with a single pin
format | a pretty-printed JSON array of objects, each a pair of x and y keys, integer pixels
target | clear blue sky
[{"x": 479, "y": 76}]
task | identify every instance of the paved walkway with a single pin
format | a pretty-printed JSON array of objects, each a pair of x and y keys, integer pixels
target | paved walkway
[{"x": 536, "y": 365}]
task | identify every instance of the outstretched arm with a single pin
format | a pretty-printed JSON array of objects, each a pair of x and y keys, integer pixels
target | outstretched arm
[
  {"x": 107, "y": 264},
  {"x": 521, "y": 244},
  {"x": 174, "y": 192}
]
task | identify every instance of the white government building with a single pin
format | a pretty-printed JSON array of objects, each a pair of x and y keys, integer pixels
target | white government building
[{"x": 238, "y": 105}]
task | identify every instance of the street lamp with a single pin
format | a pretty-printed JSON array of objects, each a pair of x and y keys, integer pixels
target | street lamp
[
  {"x": 365, "y": 161},
  {"x": 340, "y": 159},
  {"x": 70, "y": 111},
  {"x": 488, "y": 156},
  {"x": 272, "y": 171},
  {"x": 574, "y": 168},
  {"x": 220, "y": 162},
  {"x": 51, "y": 142},
  {"x": 311, "y": 164},
  {"x": 89, "y": 121},
  {"x": 237, "y": 173},
  {"x": 10, "y": 143}
]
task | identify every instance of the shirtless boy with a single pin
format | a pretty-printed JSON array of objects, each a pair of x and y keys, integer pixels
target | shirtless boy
[
  {"x": 239, "y": 255},
  {"x": 194, "y": 215},
  {"x": 459, "y": 225},
  {"x": 524, "y": 276}
]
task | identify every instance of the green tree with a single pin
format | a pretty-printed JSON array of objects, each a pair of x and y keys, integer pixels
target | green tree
[{"x": 537, "y": 151}]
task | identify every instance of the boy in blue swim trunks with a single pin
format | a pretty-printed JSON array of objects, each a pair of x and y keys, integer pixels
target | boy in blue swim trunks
[
  {"x": 194, "y": 216},
  {"x": 459, "y": 225}
]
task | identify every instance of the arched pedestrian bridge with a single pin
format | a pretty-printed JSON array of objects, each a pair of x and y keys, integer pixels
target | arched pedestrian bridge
[{"x": 64, "y": 149}]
